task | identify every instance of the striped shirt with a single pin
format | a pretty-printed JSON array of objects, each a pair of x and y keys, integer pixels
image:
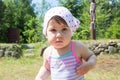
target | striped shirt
[{"x": 64, "y": 67}]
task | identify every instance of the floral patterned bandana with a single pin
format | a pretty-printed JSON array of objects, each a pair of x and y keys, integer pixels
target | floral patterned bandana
[{"x": 64, "y": 13}]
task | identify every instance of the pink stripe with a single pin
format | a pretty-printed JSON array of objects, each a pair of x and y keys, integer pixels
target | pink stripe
[
  {"x": 74, "y": 54},
  {"x": 69, "y": 61}
]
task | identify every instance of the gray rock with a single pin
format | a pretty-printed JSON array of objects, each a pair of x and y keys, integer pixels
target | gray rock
[
  {"x": 106, "y": 51},
  {"x": 112, "y": 49},
  {"x": 112, "y": 43},
  {"x": 1, "y": 53},
  {"x": 118, "y": 46},
  {"x": 96, "y": 52}
]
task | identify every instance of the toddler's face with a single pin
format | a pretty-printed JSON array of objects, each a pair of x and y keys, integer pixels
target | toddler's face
[{"x": 58, "y": 34}]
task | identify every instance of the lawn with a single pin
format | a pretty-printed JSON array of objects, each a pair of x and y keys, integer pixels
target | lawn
[
  {"x": 20, "y": 69},
  {"x": 107, "y": 68}
]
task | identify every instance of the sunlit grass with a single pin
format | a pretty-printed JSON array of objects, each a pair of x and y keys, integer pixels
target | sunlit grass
[
  {"x": 107, "y": 68},
  {"x": 19, "y": 69}
]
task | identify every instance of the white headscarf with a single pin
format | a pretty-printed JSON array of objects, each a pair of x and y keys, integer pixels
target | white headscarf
[{"x": 64, "y": 13}]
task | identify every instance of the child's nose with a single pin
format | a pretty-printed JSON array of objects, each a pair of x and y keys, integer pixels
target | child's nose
[{"x": 59, "y": 34}]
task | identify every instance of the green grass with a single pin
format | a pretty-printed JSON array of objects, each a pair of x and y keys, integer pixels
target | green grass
[
  {"x": 107, "y": 68},
  {"x": 19, "y": 69}
]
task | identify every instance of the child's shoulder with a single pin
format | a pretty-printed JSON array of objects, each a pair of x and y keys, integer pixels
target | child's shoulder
[
  {"x": 48, "y": 48},
  {"x": 47, "y": 51},
  {"x": 78, "y": 44},
  {"x": 81, "y": 50}
]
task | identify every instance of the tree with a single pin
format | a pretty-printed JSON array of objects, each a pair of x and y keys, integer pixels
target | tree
[
  {"x": 17, "y": 14},
  {"x": 2, "y": 31},
  {"x": 107, "y": 12}
]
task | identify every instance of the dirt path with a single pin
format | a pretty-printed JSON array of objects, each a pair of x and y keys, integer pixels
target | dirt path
[{"x": 108, "y": 61}]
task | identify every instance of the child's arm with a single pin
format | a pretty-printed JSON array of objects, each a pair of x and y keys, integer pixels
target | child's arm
[
  {"x": 44, "y": 71},
  {"x": 42, "y": 74},
  {"x": 86, "y": 66},
  {"x": 88, "y": 56}
]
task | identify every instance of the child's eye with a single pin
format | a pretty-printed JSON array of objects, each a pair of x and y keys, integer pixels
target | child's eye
[
  {"x": 53, "y": 30},
  {"x": 64, "y": 29}
]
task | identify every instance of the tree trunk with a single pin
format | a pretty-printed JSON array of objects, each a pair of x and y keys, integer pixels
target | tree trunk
[{"x": 92, "y": 19}]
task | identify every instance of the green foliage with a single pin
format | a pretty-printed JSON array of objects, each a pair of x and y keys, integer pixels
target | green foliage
[
  {"x": 2, "y": 28},
  {"x": 82, "y": 33},
  {"x": 32, "y": 34},
  {"x": 114, "y": 31},
  {"x": 19, "y": 14},
  {"x": 75, "y": 6},
  {"x": 107, "y": 13}
]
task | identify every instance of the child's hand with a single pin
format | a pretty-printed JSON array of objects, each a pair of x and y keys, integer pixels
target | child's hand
[{"x": 83, "y": 69}]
